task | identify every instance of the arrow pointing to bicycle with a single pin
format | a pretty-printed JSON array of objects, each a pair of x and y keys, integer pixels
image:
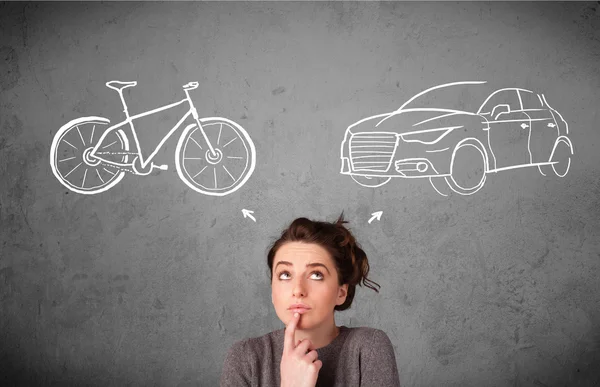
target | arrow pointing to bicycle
[
  {"x": 248, "y": 214},
  {"x": 376, "y": 215}
]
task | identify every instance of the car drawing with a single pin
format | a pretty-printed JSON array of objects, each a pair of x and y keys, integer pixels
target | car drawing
[{"x": 454, "y": 145}]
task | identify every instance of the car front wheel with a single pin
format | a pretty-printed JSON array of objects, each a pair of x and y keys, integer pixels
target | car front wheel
[
  {"x": 370, "y": 181},
  {"x": 468, "y": 167}
]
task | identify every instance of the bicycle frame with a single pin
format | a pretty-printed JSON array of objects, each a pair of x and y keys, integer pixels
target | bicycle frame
[{"x": 129, "y": 120}]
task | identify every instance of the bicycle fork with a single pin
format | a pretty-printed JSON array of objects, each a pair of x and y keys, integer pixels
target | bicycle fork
[{"x": 186, "y": 89}]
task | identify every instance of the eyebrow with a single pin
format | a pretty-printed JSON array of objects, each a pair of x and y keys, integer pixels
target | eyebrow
[{"x": 307, "y": 265}]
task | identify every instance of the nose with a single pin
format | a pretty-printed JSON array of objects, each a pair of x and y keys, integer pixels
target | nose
[{"x": 299, "y": 289}]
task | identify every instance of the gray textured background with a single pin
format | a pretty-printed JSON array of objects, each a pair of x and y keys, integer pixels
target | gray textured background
[{"x": 149, "y": 283}]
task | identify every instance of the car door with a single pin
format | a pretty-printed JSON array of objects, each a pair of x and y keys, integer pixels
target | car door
[
  {"x": 509, "y": 130},
  {"x": 544, "y": 129}
]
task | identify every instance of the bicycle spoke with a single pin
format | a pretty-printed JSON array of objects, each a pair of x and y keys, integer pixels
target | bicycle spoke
[
  {"x": 70, "y": 158},
  {"x": 70, "y": 144},
  {"x": 191, "y": 138},
  {"x": 230, "y": 142},
  {"x": 199, "y": 172},
  {"x": 100, "y": 177},
  {"x": 82, "y": 140},
  {"x": 92, "y": 138},
  {"x": 234, "y": 157},
  {"x": 84, "y": 175},
  {"x": 73, "y": 169},
  {"x": 220, "y": 129},
  {"x": 228, "y": 173},
  {"x": 192, "y": 158},
  {"x": 112, "y": 173},
  {"x": 215, "y": 169}
]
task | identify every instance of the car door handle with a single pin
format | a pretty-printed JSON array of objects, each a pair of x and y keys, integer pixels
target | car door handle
[{"x": 523, "y": 126}]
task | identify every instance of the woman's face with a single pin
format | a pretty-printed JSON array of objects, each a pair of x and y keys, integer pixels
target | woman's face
[{"x": 304, "y": 273}]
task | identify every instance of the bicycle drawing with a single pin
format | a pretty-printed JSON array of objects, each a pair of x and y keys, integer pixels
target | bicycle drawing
[{"x": 214, "y": 155}]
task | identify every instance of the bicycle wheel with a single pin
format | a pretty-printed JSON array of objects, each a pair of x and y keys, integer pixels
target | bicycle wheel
[
  {"x": 219, "y": 174},
  {"x": 72, "y": 163}
]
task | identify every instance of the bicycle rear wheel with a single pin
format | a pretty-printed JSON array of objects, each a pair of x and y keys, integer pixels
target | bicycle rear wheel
[
  {"x": 71, "y": 160},
  {"x": 219, "y": 174}
]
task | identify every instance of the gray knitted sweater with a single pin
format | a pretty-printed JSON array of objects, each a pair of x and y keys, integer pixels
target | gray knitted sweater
[{"x": 356, "y": 357}]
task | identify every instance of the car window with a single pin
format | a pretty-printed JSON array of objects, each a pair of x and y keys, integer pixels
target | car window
[
  {"x": 530, "y": 100},
  {"x": 501, "y": 97},
  {"x": 461, "y": 97}
]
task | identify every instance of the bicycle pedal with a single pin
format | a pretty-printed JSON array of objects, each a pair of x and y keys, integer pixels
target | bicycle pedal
[{"x": 163, "y": 167}]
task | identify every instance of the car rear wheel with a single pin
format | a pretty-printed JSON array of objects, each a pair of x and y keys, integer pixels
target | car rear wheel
[
  {"x": 561, "y": 159},
  {"x": 468, "y": 167}
]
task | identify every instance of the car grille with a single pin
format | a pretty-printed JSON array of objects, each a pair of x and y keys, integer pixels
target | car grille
[{"x": 372, "y": 151}]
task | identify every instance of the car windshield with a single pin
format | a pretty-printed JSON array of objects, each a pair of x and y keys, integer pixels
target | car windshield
[{"x": 461, "y": 96}]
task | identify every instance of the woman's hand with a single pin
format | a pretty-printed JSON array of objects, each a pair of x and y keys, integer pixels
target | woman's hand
[{"x": 298, "y": 368}]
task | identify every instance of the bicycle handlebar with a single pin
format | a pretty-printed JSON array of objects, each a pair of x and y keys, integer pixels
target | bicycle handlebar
[{"x": 190, "y": 86}]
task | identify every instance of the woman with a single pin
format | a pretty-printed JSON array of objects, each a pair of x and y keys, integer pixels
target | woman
[{"x": 314, "y": 269}]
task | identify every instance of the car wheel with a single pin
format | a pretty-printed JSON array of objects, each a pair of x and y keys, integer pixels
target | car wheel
[
  {"x": 370, "y": 181},
  {"x": 439, "y": 185},
  {"x": 561, "y": 159},
  {"x": 468, "y": 167}
]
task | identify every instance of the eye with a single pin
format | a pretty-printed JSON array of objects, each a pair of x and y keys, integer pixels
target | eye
[{"x": 320, "y": 275}]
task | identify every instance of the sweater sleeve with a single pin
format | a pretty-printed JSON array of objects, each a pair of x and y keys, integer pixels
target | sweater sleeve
[
  {"x": 378, "y": 365},
  {"x": 236, "y": 367}
]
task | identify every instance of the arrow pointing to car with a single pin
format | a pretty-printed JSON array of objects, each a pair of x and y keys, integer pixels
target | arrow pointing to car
[
  {"x": 248, "y": 214},
  {"x": 375, "y": 215}
]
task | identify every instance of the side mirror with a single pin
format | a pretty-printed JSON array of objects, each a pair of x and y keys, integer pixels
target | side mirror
[{"x": 500, "y": 109}]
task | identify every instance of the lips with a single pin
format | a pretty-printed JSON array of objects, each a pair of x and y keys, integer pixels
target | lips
[{"x": 300, "y": 308}]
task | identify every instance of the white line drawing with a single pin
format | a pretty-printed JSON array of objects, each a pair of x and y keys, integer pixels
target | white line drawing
[
  {"x": 375, "y": 215},
  {"x": 214, "y": 155},
  {"x": 457, "y": 148},
  {"x": 248, "y": 213}
]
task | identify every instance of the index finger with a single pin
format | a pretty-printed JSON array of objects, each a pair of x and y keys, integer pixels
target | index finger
[{"x": 288, "y": 341}]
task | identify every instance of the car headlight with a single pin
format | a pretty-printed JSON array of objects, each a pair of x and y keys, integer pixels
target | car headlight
[{"x": 428, "y": 136}]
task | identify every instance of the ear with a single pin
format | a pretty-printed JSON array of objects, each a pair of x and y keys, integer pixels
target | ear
[{"x": 342, "y": 294}]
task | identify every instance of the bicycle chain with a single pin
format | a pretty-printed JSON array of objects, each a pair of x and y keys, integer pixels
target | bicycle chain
[
  {"x": 117, "y": 166},
  {"x": 116, "y": 153}
]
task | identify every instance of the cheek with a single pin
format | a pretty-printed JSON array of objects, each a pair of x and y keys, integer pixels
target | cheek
[{"x": 276, "y": 294}]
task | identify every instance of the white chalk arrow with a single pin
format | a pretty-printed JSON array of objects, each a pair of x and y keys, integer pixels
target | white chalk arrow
[
  {"x": 376, "y": 215},
  {"x": 248, "y": 214}
]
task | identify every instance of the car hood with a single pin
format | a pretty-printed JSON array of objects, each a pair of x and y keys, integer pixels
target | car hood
[{"x": 411, "y": 120}]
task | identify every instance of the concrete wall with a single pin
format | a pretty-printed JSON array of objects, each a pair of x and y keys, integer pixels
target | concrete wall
[{"x": 150, "y": 282}]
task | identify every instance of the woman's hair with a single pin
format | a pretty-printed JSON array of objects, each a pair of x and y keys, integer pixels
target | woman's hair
[{"x": 350, "y": 260}]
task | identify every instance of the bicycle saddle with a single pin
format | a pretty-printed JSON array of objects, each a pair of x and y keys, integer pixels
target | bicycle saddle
[{"x": 118, "y": 85}]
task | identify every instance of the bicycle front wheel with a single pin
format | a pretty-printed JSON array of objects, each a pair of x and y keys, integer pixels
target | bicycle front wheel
[{"x": 224, "y": 171}]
